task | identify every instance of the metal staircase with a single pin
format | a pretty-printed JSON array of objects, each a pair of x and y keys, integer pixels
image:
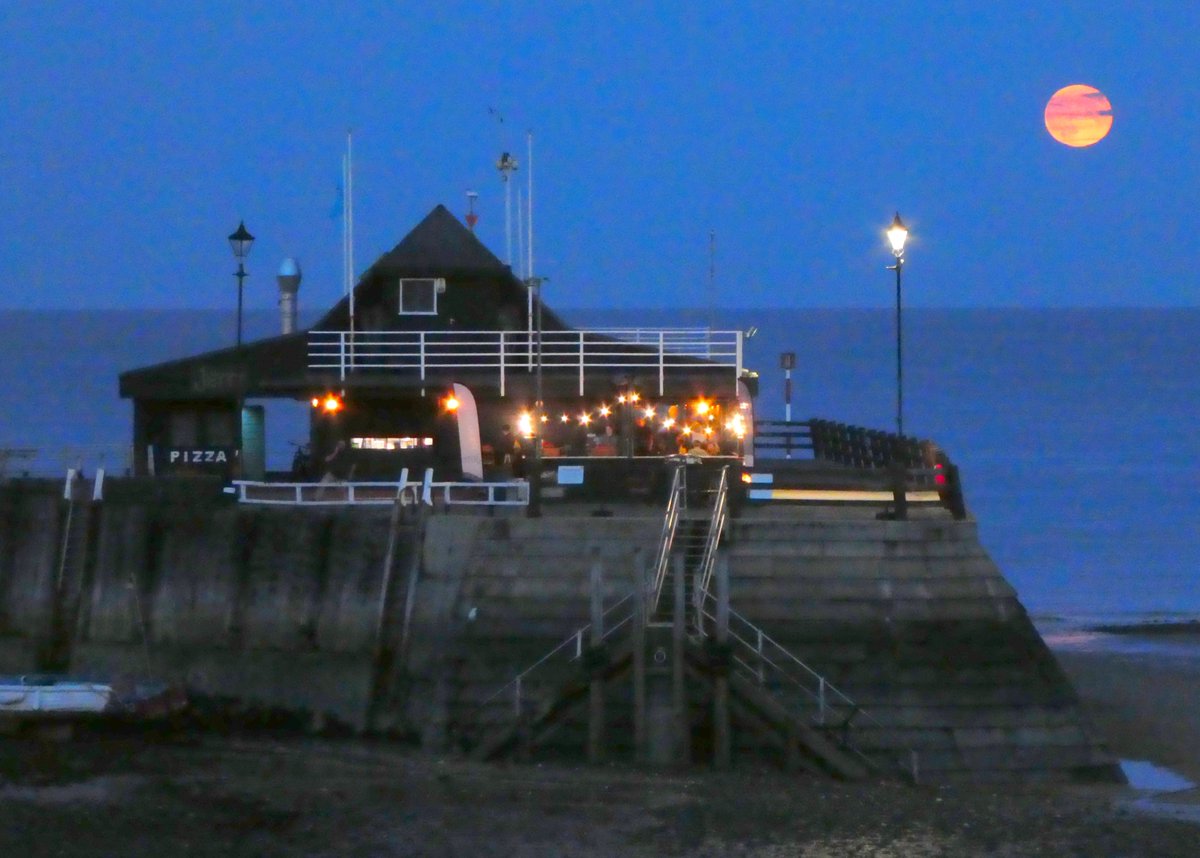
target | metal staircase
[{"x": 770, "y": 690}]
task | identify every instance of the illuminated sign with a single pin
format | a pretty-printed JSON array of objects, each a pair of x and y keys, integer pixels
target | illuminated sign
[{"x": 391, "y": 444}]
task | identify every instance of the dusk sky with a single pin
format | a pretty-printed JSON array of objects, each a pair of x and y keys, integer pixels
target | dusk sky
[{"x": 136, "y": 135}]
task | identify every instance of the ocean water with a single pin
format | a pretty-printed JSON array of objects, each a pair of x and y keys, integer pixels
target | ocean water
[{"x": 1076, "y": 431}]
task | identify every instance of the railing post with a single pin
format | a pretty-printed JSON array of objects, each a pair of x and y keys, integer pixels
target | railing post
[
  {"x": 737, "y": 374},
  {"x": 502, "y": 378},
  {"x": 342, "y": 354},
  {"x": 723, "y": 750},
  {"x": 596, "y": 666},
  {"x": 661, "y": 365},
  {"x": 682, "y": 738},
  {"x": 639, "y": 657},
  {"x": 581, "y": 335},
  {"x": 421, "y": 341},
  {"x": 821, "y": 701},
  {"x": 758, "y": 649}
]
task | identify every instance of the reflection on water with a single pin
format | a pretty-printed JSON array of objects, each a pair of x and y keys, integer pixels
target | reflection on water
[
  {"x": 1163, "y": 793},
  {"x": 1144, "y": 775},
  {"x": 1142, "y": 638}
]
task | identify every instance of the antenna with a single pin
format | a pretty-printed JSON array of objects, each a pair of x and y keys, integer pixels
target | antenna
[
  {"x": 529, "y": 200},
  {"x": 507, "y": 165},
  {"x": 712, "y": 278},
  {"x": 350, "y": 227},
  {"x": 520, "y": 235}
]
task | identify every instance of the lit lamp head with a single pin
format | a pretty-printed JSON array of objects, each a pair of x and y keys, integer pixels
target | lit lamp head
[
  {"x": 897, "y": 234},
  {"x": 241, "y": 241}
]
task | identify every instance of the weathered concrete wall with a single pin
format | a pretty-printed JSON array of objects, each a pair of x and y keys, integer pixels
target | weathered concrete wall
[
  {"x": 29, "y": 542},
  {"x": 495, "y": 595},
  {"x": 917, "y": 625},
  {"x": 298, "y": 609}
]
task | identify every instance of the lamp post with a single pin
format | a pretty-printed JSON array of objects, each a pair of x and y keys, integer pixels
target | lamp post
[
  {"x": 897, "y": 233},
  {"x": 240, "y": 242},
  {"x": 535, "y": 476}
]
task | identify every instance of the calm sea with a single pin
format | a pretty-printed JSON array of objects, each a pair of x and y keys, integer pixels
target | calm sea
[{"x": 1076, "y": 430}]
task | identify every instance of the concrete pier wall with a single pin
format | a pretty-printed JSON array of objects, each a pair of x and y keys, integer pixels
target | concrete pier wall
[{"x": 307, "y": 609}]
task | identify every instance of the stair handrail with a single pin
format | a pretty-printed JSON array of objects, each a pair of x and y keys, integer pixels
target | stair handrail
[
  {"x": 675, "y": 504},
  {"x": 577, "y": 638},
  {"x": 716, "y": 527},
  {"x": 829, "y": 699}
]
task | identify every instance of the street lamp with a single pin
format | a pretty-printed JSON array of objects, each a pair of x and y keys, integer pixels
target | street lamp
[
  {"x": 240, "y": 242},
  {"x": 535, "y": 477},
  {"x": 897, "y": 234}
]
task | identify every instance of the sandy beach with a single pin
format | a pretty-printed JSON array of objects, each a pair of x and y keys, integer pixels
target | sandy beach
[
  {"x": 204, "y": 794},
  {"x": 1142, "y": 694}
]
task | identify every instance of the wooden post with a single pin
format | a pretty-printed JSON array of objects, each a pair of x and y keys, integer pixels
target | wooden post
[
  {"x": 639, "y": 657},
  {"x": 596, "y": 681},
  {"x": 722, "y": 744},
  {"x": 683, "y": 737}
]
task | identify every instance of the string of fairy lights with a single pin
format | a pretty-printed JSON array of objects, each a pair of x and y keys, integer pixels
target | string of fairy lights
[{"x": 699, "y": 417}]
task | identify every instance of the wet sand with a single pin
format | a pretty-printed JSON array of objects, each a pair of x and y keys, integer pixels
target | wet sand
[
  {"x": 1142, "y": 694},
  {"x": 257, "y": 795}
]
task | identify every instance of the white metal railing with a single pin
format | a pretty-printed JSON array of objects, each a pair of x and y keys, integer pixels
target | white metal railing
[
  {"x": 507, "y": 352},
  {"x": 380, "y": 493},
  {"x": 756, "y": 655},
  {"x": 716, "y": 526},
  {"x": 675, "y": 504},
  {"x": 573, "y": 645}
]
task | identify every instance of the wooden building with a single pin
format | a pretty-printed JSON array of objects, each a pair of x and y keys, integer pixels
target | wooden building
[{"x": 437, "y": 361}]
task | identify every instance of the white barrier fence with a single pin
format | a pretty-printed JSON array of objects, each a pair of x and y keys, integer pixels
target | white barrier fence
[
  {"x": 603, "y": 350},
  {"x": 383, "y": 493}
]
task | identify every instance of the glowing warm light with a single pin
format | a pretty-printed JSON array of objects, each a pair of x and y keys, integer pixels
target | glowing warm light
[
  {"x": 451, "y": 403},
  {"x": 737, "y": 425},
  {"x": 566, "y": 418},
  {"x": 897, "y": 234},
  {"x": 585, "y": 418},
  {"x": 701, "y": 406},
  {"x": 1078, "y": 115},
  {"x": 649, "y": 412},
  {"x": 707, "y": 430},
  {"x": 605, "y": 411},
  {"x": 621, "y": 399},
  {"x": 331, "y": 404},
  {"x": 545, "y": 418},
  {"x": 669, "y": 422},
  {"x": 746, "y": 478},
  {"x": 316, "y": 403},
  {"x": 634, "y": 397},
  {"x": 525, "y": 424}
]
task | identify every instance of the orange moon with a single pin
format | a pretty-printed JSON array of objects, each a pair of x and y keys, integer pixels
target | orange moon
[{"x": 1078, "y": 115}]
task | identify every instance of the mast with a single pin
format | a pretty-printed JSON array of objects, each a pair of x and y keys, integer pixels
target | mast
[
  {"x": 348, "y": 229},
  {"x": 529, "y": 198},
  {"x": 507, "y": 165}
]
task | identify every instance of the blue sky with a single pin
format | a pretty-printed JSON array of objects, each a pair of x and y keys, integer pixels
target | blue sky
[{"x": 133, "y": 137}]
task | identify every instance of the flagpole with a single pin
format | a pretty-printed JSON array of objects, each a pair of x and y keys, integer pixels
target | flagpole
[
  {"x": 350, "y": 230},
  {"x": 529, "y": 200}
]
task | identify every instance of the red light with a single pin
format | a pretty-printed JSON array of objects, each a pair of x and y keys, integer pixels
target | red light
[{"x": 332, "y": 404}]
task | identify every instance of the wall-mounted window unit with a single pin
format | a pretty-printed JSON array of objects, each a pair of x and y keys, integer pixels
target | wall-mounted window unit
[{"x": 418, "y": 295}]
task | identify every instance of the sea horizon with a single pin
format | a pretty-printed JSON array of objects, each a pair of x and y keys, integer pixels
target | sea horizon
[{"x": 1073, "y": 427}]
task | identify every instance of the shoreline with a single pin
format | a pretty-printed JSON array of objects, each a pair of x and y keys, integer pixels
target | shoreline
[{"x": 1140, "y": 689}]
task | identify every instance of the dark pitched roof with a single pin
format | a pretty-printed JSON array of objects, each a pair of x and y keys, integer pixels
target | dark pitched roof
[{"x": 438, "y": 244}]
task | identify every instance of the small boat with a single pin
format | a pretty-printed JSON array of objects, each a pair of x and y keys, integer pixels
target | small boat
[{"x": 45, "y": 697}]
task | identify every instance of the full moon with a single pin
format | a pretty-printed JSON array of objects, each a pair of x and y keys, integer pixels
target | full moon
[{"x": 1078, "y": 115}]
